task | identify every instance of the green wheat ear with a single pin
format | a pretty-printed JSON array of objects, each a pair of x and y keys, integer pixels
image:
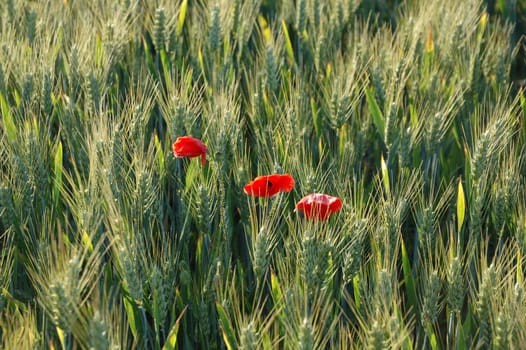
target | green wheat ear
[
  {"x": 249, "y": 337},
  {"x": 375, "y": 337},
  {"x": 455, "y": 286},
  {"x": 430, "y": 299},
  {"x": 214, "y": 31},
  {"x": 483, "y": 309},
  {"x": 261, "y": 254},
  {"x": 306, "y": 335},
  {"x": 159, "y": 29},
  {"x": 98, "y": 333}
]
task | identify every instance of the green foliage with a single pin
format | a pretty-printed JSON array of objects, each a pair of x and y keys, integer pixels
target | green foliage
[{"x": 411, "y": 112}]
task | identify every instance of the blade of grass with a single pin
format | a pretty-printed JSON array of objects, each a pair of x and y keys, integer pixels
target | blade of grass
[
  {"x": 376, "y": 113},
  {"x": 356, "y": 289},
  {"x": 134, "y": 318},
  {"x": 165, "y": 63},
  {"x": 385, "y": 176},
  {"x": 182, "y": 17},
  {"x": 58, "y": 169},
  {"x": 160, "y": 154},
  {"x": 288, "y": 43},
  {"x": 171, "y": 339},
  {"x": 61, "y": 337},
  {"x": 409, "y": 281},
  {"x": 226, "y": 327},
  {"x": 7, "y": 119},
  {"x": 461, "y": 206}
]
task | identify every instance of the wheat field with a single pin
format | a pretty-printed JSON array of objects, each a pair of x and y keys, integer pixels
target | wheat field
[{"x": 410, "y": 113}]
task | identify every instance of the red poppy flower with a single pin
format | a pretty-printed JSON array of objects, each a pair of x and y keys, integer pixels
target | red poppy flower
[
  {"x": 269, "y": 185},
  {"x": 319, "y": 206},
  {"x": 186, "y": 146}
]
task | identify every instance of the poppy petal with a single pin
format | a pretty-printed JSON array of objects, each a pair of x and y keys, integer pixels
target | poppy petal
[
  {"x": 287, "y": 182},
  {"x": 269, "y": 185},
  {"x": 187, "y": 146},
  {"x": 319, "y": 206}
]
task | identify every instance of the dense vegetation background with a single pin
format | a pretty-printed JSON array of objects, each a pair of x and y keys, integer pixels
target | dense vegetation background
[{"x": 411, "y": 112}]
